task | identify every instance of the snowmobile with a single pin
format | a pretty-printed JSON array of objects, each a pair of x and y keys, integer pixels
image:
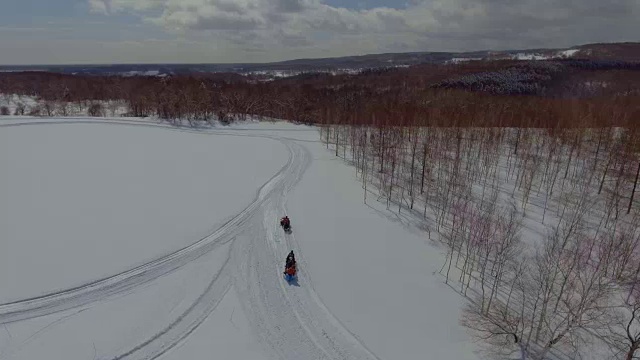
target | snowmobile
[
  {"x": 290, "y": 272},
  {"x": 286, "y": 224},
  {"x": 290, "y": 268}
]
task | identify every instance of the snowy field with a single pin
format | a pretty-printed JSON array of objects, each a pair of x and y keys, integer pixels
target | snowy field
[
  {"x": 92, "y": 199},
  {"x": 129, "y": 239}
]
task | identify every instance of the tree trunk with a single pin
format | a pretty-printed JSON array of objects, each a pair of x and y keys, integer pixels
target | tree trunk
[
  {"x": 633, "y": 192},
  {"x": 364, "y": 167},
  {"x": 595, "y": 158},
  {"x": 328, "y": 135},
  {"x": 381, "y": 140},
  {"x": 337, "y": 140},
  {"x": 632, "y": 350},
  {"x": 424, "y": 163},
  {"x": 393, "y": 170},
  {"x": 413, "y": 159},
  {"x": 604, "y": 176}
]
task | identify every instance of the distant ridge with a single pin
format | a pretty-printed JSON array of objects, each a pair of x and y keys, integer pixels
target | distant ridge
[{"x": 628, "y": 51}]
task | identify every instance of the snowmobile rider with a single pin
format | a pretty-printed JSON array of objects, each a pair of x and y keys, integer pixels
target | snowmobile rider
[
  {"x": 291, "y": 260},
  {"x": 285, "y": 221},
  {"x": 290, "y": 267}
]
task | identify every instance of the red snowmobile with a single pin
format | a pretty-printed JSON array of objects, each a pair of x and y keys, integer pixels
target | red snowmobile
[{"x": 286, "y": 224}]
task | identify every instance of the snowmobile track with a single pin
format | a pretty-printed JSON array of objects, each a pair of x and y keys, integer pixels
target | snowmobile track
[
  {"x": 102, "y": 289},
  {"x": 290, "y": 320},
  {"x": 185, "y": 324}
]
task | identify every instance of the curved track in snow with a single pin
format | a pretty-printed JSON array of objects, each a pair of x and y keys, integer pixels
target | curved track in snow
[
  {"x": 103, "y": 288},
  {"x": 290, "y": 320}
]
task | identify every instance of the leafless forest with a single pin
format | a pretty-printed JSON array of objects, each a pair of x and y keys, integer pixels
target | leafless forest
[{"x": 524, "y": 173}]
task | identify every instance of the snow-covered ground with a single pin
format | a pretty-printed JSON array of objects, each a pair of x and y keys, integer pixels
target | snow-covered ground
[
  {"x": 149, "y": 240},
  {"x": 567, "y": 53},
  {"x": 528, "y": 56},
  {"x": 83, "y": 201}
]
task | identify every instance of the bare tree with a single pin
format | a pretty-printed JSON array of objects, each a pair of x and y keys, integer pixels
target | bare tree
[
  {"x": 49, "y": 108},
  {"x": 506, "y": 256},
  {"x": 113, "y": 107},
  {"x": 622, "y": 333},
  {"x": 35, "y": 110},
  {"x": 20, "y": 109},
  {"x": 499, "y": 328},
  {"x": 63, "y": 108},
  {"x": 96, "y": 109}
]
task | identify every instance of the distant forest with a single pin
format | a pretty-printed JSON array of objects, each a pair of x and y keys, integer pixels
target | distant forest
[{"x": 504, "y": 93}]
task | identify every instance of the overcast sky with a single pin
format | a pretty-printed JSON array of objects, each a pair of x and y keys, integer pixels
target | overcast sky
[{"x": 163, "y": 31}]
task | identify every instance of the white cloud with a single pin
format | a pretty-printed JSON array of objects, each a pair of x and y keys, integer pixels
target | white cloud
[
  {"x": 98, "y": 6},
  {"x": 113, "y": 6},
  {"x": 285, "y": 21},
  {"x": 460, "y": 22},
  {"x": 279, "y": 29}
]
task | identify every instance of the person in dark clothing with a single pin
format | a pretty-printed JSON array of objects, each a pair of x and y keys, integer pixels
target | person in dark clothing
[
  {"x": 290, "y": 268},
  {"x": 291, "y": 260}
]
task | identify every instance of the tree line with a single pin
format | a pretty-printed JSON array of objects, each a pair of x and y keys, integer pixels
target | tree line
[{"x": 479, "y": 94}]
